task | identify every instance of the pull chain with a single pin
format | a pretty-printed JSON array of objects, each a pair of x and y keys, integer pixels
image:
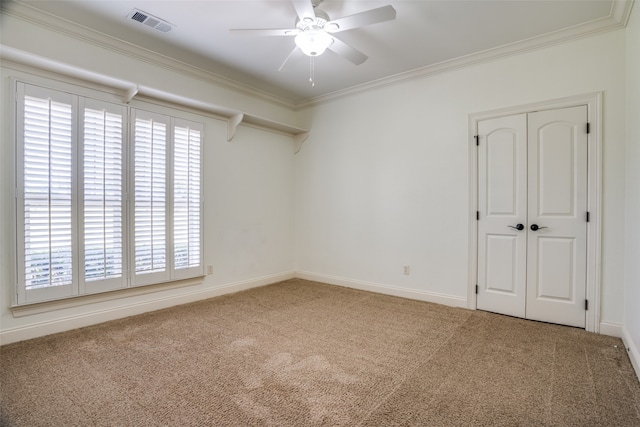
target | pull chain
[{"x": 312, "y": 72}]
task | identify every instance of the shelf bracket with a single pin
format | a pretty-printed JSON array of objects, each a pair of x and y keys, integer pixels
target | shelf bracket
[
  {"x": 131, "y": 92},
  {"x": 232, "y": 125},
  {"x": 298, "y": 140}
]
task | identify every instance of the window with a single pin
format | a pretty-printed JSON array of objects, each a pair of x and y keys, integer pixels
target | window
[
  {"x": 166, "y": 200},
  {"x": 102, "y": 192},
  {"x": 102, "y": 206},
  {"x": 150, "y": 197},
  {"x": 187, "y": 209},
  {"x": 46, "y": 193}
]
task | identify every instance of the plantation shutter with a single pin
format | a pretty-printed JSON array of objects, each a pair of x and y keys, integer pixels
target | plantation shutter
[
  {"x": 103, "y": 196},
  {"x": 150, "y": 222},
  {"x": 187, "y": 197},
  {"x": 46, "y": 203},
  {"x": 107, "y": 197}
]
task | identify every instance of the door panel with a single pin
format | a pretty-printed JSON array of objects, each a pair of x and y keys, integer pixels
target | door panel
[
  {"x": 501, "y": 264},
  {"x": 502, "y": 172},
  {"x": 557, "y": 201},
  {"x": 556, "y": 183},
  {"x": 555, "y": 269},
  {"x": 502, "y": 202}
]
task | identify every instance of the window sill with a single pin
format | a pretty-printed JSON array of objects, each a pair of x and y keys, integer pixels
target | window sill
[{"x": 61, "y": 304}]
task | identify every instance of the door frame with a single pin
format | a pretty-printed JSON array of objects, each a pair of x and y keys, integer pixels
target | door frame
[{"x": 593, "y": 101}]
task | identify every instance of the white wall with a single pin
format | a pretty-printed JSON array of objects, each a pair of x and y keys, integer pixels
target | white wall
[
  {"x": 632, "y": 279},
  {"x": 248, "y": 186},
  {"x": 383, "y": 180}
]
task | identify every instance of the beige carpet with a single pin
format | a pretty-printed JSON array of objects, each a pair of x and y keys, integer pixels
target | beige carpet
[{"x": 300, "y": 353}]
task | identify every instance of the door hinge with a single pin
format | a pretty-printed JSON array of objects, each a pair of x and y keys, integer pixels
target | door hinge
[
  {"x": 477, "y": 215},
  {"x": 476, "y": 289},
  {"x": 588, "y": 216},
  {"x": 477, "y": 137},
  {"x": 586, "y": 304},
  {"x": 588, "y": 127}
]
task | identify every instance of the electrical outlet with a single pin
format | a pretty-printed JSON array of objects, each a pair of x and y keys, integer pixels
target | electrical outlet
[
  {"x": 406, "y": 270},
  {"x": 209, "y": 269}
]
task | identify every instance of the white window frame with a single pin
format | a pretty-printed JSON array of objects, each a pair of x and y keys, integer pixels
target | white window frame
[
  {"x": 80, "y": 286},
  {"x": 187, "y": 272},
  {"x": 144, "y": 278},
  {"x": 51, "y": 292},
  {"x": 110, "y": 284}
]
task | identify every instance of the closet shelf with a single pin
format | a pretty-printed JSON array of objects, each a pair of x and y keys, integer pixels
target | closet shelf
[{"x": 131, "y": 90}]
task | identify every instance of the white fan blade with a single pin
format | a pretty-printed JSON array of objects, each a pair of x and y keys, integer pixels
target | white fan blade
[
  {"x": 265, "y": 32},
  {"x": 304, "y": 9},
  {"x": 348, "y": 52},
  {"x": 295, "y": 54},
  {"x": 373, "y": 16}
]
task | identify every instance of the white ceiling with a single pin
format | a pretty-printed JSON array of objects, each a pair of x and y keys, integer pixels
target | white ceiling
[{"x": 425, "y": 34}]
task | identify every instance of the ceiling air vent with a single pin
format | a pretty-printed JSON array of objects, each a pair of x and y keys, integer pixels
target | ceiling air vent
[{"x": 150, "y": 20}]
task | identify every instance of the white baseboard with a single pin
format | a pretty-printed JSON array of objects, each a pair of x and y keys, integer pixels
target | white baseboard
[
  {"x": 611, "y": 329},
  {"x": 449, "y": 300},
  {"x": 632, "y": 350},
  {"x": 125, "y": 310}
]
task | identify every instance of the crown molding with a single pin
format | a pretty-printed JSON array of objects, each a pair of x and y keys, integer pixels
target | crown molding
[
  {"x": 71, "y": 29},
  {"x": 617, "y": 19},
  {"x": 621, "y": 11}
]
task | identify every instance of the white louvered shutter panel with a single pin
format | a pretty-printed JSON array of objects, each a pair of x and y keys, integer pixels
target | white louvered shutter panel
[
  {"x": 150, "y": 158},
  {"x": 102, "y": 204},
  {"x": 187, "y": 198},
  {"x": 46, "y": 143}
]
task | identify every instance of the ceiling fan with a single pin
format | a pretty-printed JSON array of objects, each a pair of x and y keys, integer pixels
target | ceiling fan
[{"x": 315, "y": 31}]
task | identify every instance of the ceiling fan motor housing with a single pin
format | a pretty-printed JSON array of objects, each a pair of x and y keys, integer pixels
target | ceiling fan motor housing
[{"x": 320, "y": 21}]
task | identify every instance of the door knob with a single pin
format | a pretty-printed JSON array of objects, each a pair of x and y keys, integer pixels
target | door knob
[
  {"x": 518, "y": 227},
  {"x": 535, "y": 227}
]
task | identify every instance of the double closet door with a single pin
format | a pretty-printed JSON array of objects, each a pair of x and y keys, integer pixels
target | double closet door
[{"x": 532, "y": 228}]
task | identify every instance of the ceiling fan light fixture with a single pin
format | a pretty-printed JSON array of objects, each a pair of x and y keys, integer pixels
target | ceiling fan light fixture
[{"x": 313, "y": 42}]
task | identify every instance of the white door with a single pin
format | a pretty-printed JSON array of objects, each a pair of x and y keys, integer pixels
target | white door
[
  {"x": 502, "y": 200},
  {"x": 557, "y": 250},
  {"x": 532, "y": 170}
]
